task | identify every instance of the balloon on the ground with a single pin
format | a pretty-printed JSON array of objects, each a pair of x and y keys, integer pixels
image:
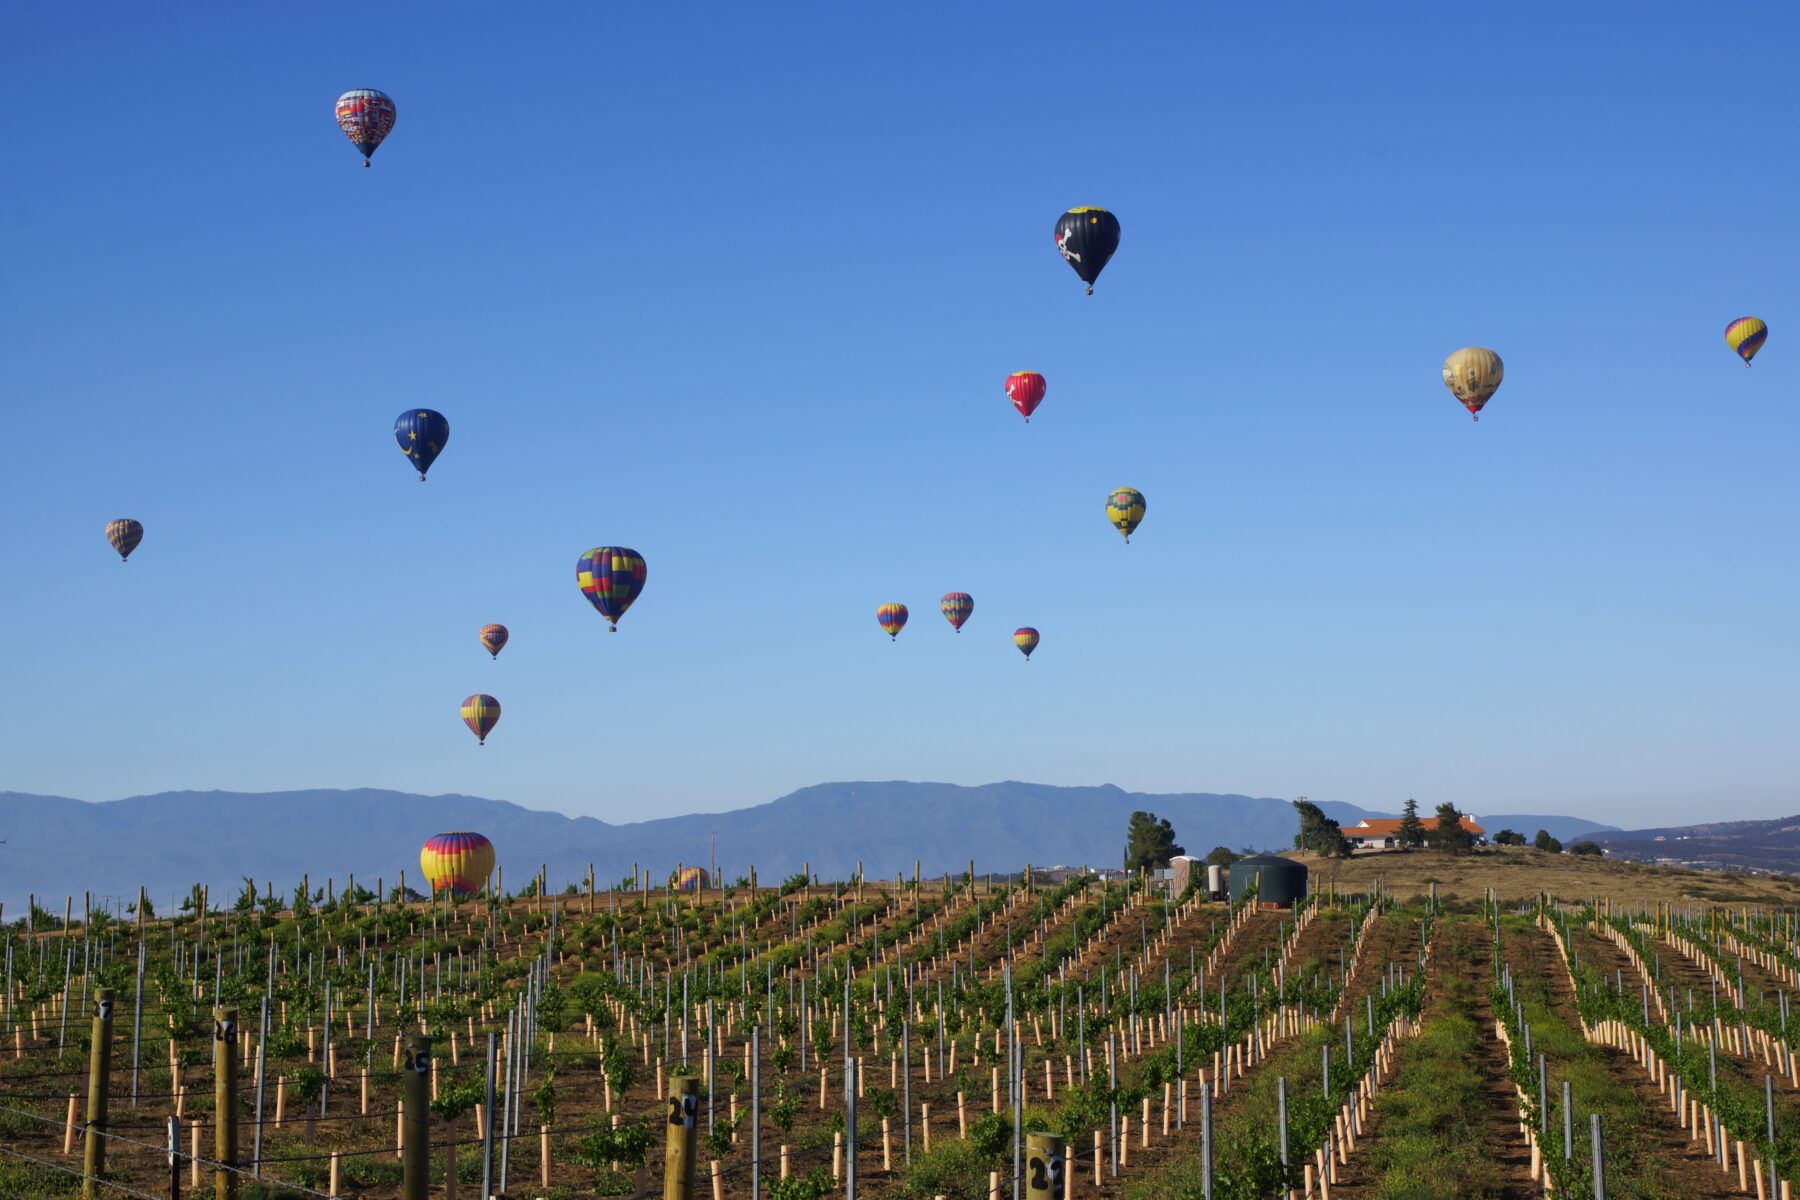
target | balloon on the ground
[
  {"x": 1125, "y": 509},
  {"x": 1026, "y": 391},
  {"x": 124, "y": 534},
  {"x": 1026, "y": 639},
  {"x": 611, "y": 577},
  {"x": 892, "y": 618},
  {"x": 1746, "y": 335},
  {"x": 481, "y": 712},
  {"x": 1086, "y": 238},
  {"x": 366, "y": 116},
  {"x": 493, "y": 638},
  {"x": 422, "y": 433},
  {"x": 458, "y": 863},
  {"x": 956, "y": 607},
  {"x": 689, "y": 879},
  {"x": 1473, "y": 375}
]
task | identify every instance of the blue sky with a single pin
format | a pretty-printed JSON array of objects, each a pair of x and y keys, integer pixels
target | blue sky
[{"x": 737, "y": 287}]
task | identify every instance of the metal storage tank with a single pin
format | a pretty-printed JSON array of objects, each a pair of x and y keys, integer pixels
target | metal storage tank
[
  {"x": 1278, "y": 881},
  {"x": 1215, "y": 881}
]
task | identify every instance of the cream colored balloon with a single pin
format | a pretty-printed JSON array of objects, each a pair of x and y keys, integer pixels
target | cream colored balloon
[{"x": 1473, "y": 375}]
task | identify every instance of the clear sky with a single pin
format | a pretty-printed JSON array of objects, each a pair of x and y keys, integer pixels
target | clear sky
[{"x": 737, "y": 286}]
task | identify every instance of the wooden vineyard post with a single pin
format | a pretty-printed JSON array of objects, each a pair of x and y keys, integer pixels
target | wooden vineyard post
[
  {"x": 225, "y": 1121},
  {"x": 93, "y": 1157},
  {"x": 683, "y": 1144},
  {"x": 415, "y": 1124},
  {"x": 1045, "y": 1163}
]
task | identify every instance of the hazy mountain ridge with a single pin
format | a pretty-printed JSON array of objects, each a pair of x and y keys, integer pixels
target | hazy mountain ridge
[
  {"x": 1765, "y": 846},
  {"x": 168, "y": 841}
]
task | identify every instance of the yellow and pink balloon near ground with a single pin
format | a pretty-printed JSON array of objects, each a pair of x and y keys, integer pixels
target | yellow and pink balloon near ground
[{"x": 458, "y": 863}]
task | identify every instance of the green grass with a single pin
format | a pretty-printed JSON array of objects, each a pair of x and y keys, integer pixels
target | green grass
[{"x": 1428, "y": 1145}]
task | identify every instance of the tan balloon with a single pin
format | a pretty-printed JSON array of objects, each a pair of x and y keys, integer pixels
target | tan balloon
[{"x": 1473, "y": 375}]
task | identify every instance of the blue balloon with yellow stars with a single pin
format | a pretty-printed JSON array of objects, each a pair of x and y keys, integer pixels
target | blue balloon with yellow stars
[{"x": 422, "y": 434}]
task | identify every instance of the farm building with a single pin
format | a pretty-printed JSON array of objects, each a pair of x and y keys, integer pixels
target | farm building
[
  {"x": 1278, "y": 881},
  {"x": 1383, "y": 833}
]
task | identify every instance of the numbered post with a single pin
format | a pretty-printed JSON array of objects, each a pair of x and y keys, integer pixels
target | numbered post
[
  {"x": 225, "y": 1094},
  {"x": 415, "y": 1128},
  {"x": 683, "y": 1138},
  {"x": 1045, "y": 1163},
  {"x": 93, "y": 1153}
]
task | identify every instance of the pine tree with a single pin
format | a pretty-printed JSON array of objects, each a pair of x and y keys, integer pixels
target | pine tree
[
  {"x": 1450, "y": 833},
  {"x": 1412, "y": 830},
  {"x": 1149, "y": 843}
]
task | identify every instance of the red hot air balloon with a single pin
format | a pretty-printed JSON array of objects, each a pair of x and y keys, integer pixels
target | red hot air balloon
[
  {"x": 1026, "y": 390},
  {"x": 493, "y": 639}
]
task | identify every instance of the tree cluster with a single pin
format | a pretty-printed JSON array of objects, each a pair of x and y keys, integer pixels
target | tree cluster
[{"x": 1149, "y": 842}]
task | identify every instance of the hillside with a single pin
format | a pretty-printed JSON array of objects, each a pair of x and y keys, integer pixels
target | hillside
[
  {"x": 1519, "y": 874},
  {"x": 1772, "y": 845},
  {"x": 58, "y": 846}
]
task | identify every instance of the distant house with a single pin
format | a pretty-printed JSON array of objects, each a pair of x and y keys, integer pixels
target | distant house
[{"x": 1383, "y": 833}]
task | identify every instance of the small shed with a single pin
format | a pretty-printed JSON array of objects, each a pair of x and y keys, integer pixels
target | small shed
[
  {"x": 1181, "y": 871},
  {"x": 1277, "y": 881}
]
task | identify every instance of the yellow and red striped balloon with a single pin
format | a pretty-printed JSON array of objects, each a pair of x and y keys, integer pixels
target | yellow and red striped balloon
[
  {"x": 689, "y": 879},
  {"x": 1746, "y": 335},
  {"x": 892, "y": 618},
  {"x": 956, "y": 607},
  {"x": 1026, "y": 639},
  {"x": 481, "y": 712},
  {"x": 124, "y": 534},
  {"x": 459, "y": 863}
]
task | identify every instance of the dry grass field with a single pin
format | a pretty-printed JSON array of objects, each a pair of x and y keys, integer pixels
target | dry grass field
[{"x": 1521, "y": 873}]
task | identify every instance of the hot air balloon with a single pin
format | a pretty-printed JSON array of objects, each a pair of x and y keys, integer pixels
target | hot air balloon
[
  {"x": 422, "y": 434},
  {"x": 458, "y": 863},
  {"x": 481, "y": 712},
  {"x": 1026, "y": 390},
  {"x": 1746, "y": 335},
  {"x": 1125, "y": 509},
  {"x": 493, "y": 637},
  {"x": 892, "y": 618},
  {"x": 124, "y": 534},
  {"x": 366, "y": 116},
  {"x": 1026, "y": 639},
  {"x": 689, "y": 879},
  {"x": 1086, "y": 238},
  {"x": 1473, "y": 375},
  {"x": 611, "y": 578},
  {"x": 956, "y": 607}
]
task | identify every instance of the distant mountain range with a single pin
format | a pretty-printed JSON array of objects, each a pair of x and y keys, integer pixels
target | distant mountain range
[
  {"x": 1761, "y": 846},
  {"x": 167, "y": 842}
]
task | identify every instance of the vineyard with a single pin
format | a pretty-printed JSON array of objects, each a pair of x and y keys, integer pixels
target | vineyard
[{"x": 888, "y": 1040}]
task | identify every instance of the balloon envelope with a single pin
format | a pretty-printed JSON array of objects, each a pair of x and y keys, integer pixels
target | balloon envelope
[
  {"x": 493, "y": 637},
  {"x": 892, "y": 618},
  {"x": 611, "y": 577},
  {"x": 1026, "y": 639},
  {"x": 1746, "y": 335},
  {"x": 689, "y": 879},
  {"x": 459, "y": 863},
  {"x": 422, "y": 434},
  {"x": 481, "y": 712},
  {"x": 1026, "y": 390},
  {"x": 366, "y": 116},
  {"x": 1473, "y": 375},
  {"x": 124, "y": 534},
  {"x": 956, "y": 607},
  {"x": 1086, "y": 238},
  {"x": 1125, "y": 509}
]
